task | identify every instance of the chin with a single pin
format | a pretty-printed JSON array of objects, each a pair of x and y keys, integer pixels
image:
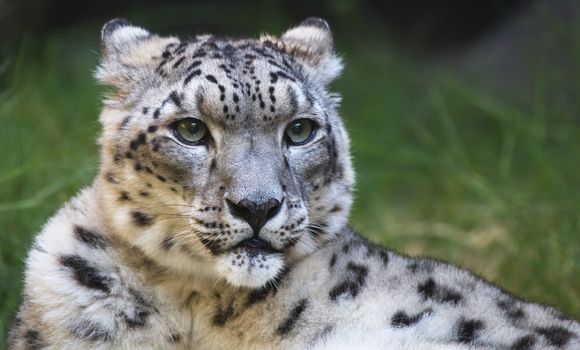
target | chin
[{"x": 248, "y": 267}]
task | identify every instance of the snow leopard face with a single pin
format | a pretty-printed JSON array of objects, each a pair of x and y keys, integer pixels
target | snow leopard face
[{"x": 223, "y": 158}]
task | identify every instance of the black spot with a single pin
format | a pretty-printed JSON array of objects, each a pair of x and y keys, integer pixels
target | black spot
[
  {"x": 86, "y": 274},
  {"x": 287, "y": 325},
  {"x": 421, "y": 266},
  {"x": 346, "y": 248},
  {"x": 156, "y": 113},
  {"x": 178, "y": 62},
  {"x": 511, "y": 309},
  {"x": 174, "y": 97},
  {"x": 124, "y": 123},
  {"x": 193, "y": 65},
  {"x": 221, "y": 316},
  {"x": 199, "y": 54},
  {"x": 380, "y": 252},
  {"x": 92, "y": 331},
  {"x": 430, "y": 290},
  {"x": 320, "y": 336},
  {"x": 285, "y": 76},
  {"x": 174, "y": 338},
  {"x": 145, "y": 110},
  {"x": 191, "y": 75},
  {"x": 402, "y": 319},
  {"x": 152, "y": 128},
  {"x": 332, "y": 261},
  {"x": 111, "y": 178},
  {"x": 335, "y": 209},
  {"x": 90, "y": 238},
  {"x": 141, "y": 302},
  {"x": 161, "y": 178},
  {"x": 117, "y": 158},
  {"x": 353, "y": 283},
  {"x": 211, "y": 78},
  {"x": 556, "y": 336},
  {"x": 34, "y": 340},
  {"x": 140, "y": 140},
  {"x": 141, "y": 219},
  {"x": 137, "y": 319},
  {"x": 167, "y": 243},
  {"x": 524, "y": 343},
  {"x": 467, "y": 330}
]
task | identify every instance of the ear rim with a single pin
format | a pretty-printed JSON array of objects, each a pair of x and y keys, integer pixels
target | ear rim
[
  {"x": 119, "y": 34},
  {"x": 111, "y": 26},
  {"x": 317, "y": 22}
]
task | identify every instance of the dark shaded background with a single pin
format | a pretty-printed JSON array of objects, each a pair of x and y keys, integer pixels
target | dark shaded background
[{"x": 414, "y": 24}]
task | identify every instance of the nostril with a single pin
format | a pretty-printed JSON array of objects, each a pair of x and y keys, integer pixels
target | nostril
[
  {"x": 239, "y": 210},
  {"x": 275, "y": 206}
]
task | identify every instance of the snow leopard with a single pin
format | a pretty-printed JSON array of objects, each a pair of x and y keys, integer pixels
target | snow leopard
[{"x": 219, "y": 219}]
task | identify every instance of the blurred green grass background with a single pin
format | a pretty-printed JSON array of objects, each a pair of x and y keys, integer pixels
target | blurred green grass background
[{"x": 447, "y": 166}]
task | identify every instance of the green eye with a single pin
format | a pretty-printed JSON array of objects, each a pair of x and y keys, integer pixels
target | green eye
[
  {"x": 300, "y": 131},
  {"x": 190, "y": 131}
]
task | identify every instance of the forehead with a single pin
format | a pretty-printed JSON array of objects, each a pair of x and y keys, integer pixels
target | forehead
[{"x": 233, "y": 82}]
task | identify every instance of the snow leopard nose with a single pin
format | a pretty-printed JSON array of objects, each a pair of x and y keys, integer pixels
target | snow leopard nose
[{"x": 256, "y": 214}]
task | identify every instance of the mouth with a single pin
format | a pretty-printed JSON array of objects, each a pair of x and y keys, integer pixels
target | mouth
[{"x": 255, "y": 246}]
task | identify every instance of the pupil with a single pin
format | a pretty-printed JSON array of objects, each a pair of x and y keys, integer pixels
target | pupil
[
  {"x": 298, "y": 128},
  {"x": 193, "y": 128}
]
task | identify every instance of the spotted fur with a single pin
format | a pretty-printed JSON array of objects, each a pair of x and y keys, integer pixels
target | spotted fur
[{"x": 161, "y": 252}]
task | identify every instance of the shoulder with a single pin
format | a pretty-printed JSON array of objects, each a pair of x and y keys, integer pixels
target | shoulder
[{"x": 79, "y": 291}]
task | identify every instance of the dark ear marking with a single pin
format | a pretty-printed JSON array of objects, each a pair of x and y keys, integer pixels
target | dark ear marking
[{"x": 315, "y": 22}]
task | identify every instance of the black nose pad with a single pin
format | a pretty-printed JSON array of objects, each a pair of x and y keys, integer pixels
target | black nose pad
[{"x": 255, "y": 213}]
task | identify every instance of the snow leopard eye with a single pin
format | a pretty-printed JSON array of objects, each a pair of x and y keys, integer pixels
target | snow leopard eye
[
  {"x": 190, "y": 131},
  {"x": 300, "y": 131}
]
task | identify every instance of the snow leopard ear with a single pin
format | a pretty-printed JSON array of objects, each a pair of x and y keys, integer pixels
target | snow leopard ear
[
  {"x": 128, "y": 52},
  {"x": 311, "y": 43},
  {"x": 119, "y": 35}
]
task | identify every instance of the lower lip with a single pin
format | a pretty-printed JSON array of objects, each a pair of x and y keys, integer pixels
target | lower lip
[{"x": 257, "y": 245}]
